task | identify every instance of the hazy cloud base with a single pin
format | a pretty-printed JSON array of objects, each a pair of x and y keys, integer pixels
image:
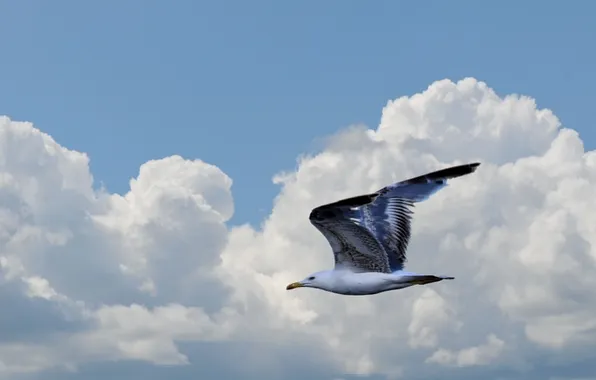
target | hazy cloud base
[{"x": 154, "y": 283}]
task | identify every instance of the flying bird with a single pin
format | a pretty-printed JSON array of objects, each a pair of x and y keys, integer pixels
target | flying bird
[{"x": 369, "y": 236}]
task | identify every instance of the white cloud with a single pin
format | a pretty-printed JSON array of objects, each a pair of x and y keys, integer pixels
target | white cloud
[
  {"x": 92, "y": 277},
  {"x": 472, "y": 356},
  {"x": 430, "y": 314}
]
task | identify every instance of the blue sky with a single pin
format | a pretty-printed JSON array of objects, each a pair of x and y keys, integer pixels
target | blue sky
[{"x": 248, "y": 86}]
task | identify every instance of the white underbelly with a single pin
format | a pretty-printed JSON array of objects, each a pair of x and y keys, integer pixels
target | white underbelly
[{"x": 358, "y": 284}]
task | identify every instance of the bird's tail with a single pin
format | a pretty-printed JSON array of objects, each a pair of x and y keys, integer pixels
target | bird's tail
[{"x": 423, "y": 279}]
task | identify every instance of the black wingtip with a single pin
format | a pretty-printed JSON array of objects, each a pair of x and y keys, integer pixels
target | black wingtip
[
  {"x": 447, "y": 173},
  {"x": 456, "y": 171}
]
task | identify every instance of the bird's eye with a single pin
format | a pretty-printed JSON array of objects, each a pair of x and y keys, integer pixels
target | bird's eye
[{"x": 311, "y": 278}]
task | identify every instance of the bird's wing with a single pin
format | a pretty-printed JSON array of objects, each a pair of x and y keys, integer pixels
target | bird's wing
[
  {"x": 354, "y": 245},
  {"x": 391, "y": 224},
  {"x": 377, "y": 226}
]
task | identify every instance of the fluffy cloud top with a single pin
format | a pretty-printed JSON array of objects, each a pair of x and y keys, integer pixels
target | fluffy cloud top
[{"x": 156, "y": 277}]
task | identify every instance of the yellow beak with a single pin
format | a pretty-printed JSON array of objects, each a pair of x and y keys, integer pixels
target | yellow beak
[{"x": 294, "y": 285}]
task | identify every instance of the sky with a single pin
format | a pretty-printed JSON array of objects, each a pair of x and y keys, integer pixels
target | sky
[
  {"x": 131, "y": 81},
  {"x": 159, "y": 161}
]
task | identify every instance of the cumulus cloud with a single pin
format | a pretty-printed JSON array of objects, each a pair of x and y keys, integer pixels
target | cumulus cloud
[
  {"x": 482, "y": 354},
  {"x": 157, "y": 277}
]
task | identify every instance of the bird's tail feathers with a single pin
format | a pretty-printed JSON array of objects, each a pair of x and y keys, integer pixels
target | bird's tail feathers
[{"x": 422, "y": 279}]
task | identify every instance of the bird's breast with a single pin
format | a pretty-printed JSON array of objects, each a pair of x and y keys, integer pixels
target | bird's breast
[{"x": 362, "y": 284}]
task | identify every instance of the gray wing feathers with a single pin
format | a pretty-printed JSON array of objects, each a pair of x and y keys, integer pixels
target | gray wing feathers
[
  {"x": 392, "y": 225},
  {"x": 371, "y": 232},
  {"x": 353, "y": 244},
  {"x": 422, "y": 187}
]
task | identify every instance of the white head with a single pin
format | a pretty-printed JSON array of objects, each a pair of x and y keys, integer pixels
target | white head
[{"x": 323, "y": 280}]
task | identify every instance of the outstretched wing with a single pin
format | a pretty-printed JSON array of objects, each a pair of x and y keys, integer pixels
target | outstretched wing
[
  {"x": 392, "y": 209},
  {"x": 354, "y": 245},
  {"x": 371, "y": 232}
]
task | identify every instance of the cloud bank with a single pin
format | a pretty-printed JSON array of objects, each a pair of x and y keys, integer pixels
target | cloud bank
[{"x": 154, "y": 283}]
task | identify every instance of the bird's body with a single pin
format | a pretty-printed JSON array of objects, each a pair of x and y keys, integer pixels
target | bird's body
[
  {"x": 349, "y": 283},
  {"x": 369, "y": 235}
]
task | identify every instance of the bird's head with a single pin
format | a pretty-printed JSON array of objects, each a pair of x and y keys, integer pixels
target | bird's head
[{"x": 320, "y": 280}]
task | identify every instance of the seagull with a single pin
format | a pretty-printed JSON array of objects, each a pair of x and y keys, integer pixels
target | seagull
[{"x": 369, "y": 236}]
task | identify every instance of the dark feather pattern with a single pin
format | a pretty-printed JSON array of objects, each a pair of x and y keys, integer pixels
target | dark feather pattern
[{"x": 370, "y": 233}]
